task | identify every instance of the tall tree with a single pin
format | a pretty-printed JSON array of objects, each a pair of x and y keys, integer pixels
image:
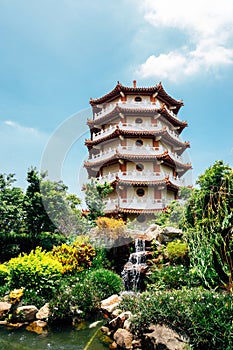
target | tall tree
[
  {"x": 11, "y": 205},
  {"x": 94, "y": 197},
  {"x": 209, "y": 217}
]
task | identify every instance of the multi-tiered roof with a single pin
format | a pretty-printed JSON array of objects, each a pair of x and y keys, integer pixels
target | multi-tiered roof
[{"x": 135, "y": 141}]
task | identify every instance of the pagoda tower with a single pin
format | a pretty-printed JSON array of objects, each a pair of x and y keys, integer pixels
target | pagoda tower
[{"x": 135, "y": 145}]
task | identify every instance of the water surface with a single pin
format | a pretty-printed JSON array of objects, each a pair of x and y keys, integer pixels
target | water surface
[{"x": 56, "y": 339}]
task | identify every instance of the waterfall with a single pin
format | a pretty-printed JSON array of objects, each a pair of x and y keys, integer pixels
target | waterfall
[{"x": 134, "y": 270}]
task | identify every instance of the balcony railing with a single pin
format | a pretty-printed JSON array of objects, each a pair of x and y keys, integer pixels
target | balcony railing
[
  {"x": 135, "y": 203},
  {"x": 134, "y": 150},
  {"x": 131, "y": 127},
  {"x": 132, "y": 105},
  {"x": 145, "y": 175}
]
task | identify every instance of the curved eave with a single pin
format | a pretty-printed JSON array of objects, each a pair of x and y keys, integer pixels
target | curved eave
[
  {"x": 165, "y": 157},
  {"x": 168, "y": 183},
  {"x": 117, "y": 132},
  {"x": 134, "y": 111},
  {"x": 132, "y": 211},
  {"x": 174, "y": 121},
  {"x": 119, "y": 88}
]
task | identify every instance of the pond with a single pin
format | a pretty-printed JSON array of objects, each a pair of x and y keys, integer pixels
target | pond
[{"x": 85, "y": 336}]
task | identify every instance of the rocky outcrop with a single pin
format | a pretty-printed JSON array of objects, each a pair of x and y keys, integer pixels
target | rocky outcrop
[
  {"x": 123, "y": 338},
  {"x": 26, "y": 313},
  {"x": 38, "y": 327},
  {"x": 43, "y": 313},
  {"x": 4, "y": 309},
  {"x": 156, "y": 337},
  {"x": 110, "y": 304},
  {"x": 162, "y": 337}
]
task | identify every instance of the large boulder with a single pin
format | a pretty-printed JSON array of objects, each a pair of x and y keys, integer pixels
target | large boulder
[
  {"x": 110, "y": 304},
  {"x": 4, "y": 309},
  {"x": 43, "y": 313},
  {"x": 153, "y": 232},
  {"x": 170, "y": 233},
  {"x": 123, "y": 338},
  {"x": 38, "y": 327},
  {"x": 26, "y": 313},
  {"x": 162, "y": 337}
]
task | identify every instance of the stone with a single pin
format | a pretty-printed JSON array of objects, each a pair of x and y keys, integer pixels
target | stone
[
  {"x": 171, "y": 233},
  {"x": 162, "y": 337},
  {"x": 127, "y": 325},
  {"x": 26, "y": 313},
  {"x": 4, "y": 309},
  {"x": 37, "y": 327},
  {"x": 123, "y": 338},
  {"x": 43, "y": 313},
  {"x": 153, "y": 232},
  {"x": 110, "y": 304},
  {"x": 113, "y": 345},
  {"x": 118, "y": 321},
  {"x": 105, "y": 330}
]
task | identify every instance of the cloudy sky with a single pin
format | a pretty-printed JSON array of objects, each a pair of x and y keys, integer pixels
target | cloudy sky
[{"x": 56, "y": 54}]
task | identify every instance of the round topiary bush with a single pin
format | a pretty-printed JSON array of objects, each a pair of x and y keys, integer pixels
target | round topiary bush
[{"x": 104, "y": 283}]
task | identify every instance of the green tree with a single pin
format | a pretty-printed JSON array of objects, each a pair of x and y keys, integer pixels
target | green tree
[
  {"x": 37, "y": 218},
  {"x": 49, "y": 208},
  {"x": 12, "y": 223},
  {"x": 11, "y": 205},
  {"x": 94, "y": 195},
  {"x": 209, "y": 219}
]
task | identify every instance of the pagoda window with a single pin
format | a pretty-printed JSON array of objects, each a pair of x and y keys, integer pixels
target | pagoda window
[
  {"x": 138, "y": 99},
  {"x": 139, "y": 142},
  {"x": 140, "y": 192},
  {"x": 139, "y": 167},
  {"x": 138, "y": 120},
  {"x": 141, "y": 218}
]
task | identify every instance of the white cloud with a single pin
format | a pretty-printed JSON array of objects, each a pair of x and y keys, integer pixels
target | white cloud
[
  {"x": 208, "y": 27},
  {"x": 22, "y": 129}
]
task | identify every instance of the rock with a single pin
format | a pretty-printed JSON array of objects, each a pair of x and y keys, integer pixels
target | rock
[
  {"x": 118, "y": 321},
  {"x": 123, "y": 338},
  {"x": 113, "y": 345},
  {"x": 26, "y": 313},
  {"x": 170, "y": 233},
  {"x": 110, "y": 304},
  {"x": 162, "y": 337},
  {"x": 136, "y": 343},
  {"x": 15, "y": 325},
  {"x": 105, "y": 330},
  {"x": 154, "y": 232},
  {"x": 43, "y": 313},
  {"x": 4, "y": 309},
  {"x": 37, "y": 327},
  {"x": 127, "y": 325}
]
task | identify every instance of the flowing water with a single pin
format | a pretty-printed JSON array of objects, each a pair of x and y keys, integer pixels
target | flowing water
[
  {"x": 69, "y": 338},
  {"x": 134, "y": 270}
]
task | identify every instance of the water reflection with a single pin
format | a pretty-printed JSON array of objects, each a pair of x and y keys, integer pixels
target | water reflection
[{"x": 56, "y": 339}]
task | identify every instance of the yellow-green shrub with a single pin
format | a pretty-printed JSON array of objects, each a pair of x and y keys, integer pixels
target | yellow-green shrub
[
  {"x": 104, "y": 222},
  {"x": 37, "y": 272},
  {"x": 176, "y": 251},
  {"x": 3, "y": 274},
  {"x": 75, "y": 257},
  {"x": 111, "y": 228}
]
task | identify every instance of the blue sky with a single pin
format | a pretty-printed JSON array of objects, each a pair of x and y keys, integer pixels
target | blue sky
[{"x": 57, "y": 54}]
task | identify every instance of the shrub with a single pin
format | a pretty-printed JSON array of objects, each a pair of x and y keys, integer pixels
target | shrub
[
  {"x": 111, "y": 228},
  {"x": 79, "y": 296},
  {"x": 37, "y": 272},
  {"x": 205, "y": 316},
  {"x": 172, "y": 277},
  {"x": 177, "y": 251},
  {"x": 75, "y": 257},
  {"x": 103, "y": 283},
  {"x": 3, "y": 274}
]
